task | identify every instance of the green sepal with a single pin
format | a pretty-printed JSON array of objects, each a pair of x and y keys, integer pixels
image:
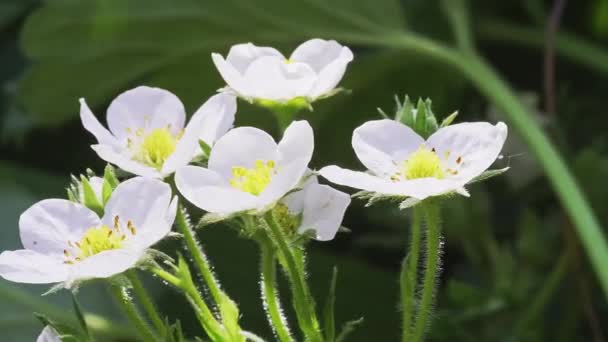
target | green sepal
[
  {"x": 489, "y": 174},
  {"x": 329, "y": 320},
  {"x": 448, "y": 120},
  {"x": 110, "y": 182},
  {"x": 404, "y": 112},
  {"x": 89, "y": 198},
  {"x": 205, "y": 148}
]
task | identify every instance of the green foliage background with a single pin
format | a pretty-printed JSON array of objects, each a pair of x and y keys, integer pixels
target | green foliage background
[{"x": 513, "y": 266}]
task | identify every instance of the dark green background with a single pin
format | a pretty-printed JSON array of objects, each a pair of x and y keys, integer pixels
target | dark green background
[{"x": 507, "y": 272}]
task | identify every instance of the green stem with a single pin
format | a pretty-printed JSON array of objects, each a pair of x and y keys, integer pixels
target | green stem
[
  {"x": 433, "y": 251},
  {"x": 133, "y": 314},
  {"x": 409, "y": 274},
  {"x": 269, "y": 292},
  {"x": 567, "y": 45},
  {"x": 147, "y": 303},
  {"x": 489, "y": 83},
  {"x": 211, "y": 326},
  {"x": 204, "y": 267},
  {"x": 303, "y": 301},
  {"x": 198, "y": 255}
]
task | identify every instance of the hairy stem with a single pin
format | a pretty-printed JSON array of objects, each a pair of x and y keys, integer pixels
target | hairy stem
[
  {"x": 129, "y": 308},
  {"x": 209, "y": 323},
  {"x": 303, "y": 301},
  {"x": 269, "y": 292},
  {"x": 431, "y": 269},
  {"x": 409, "y": 275},
  {"x": 146, "y": 301},
  {"x": 198, "y": 255}
]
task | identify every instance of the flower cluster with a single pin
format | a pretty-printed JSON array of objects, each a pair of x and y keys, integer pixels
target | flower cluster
[{"x": 108, "y": 227}]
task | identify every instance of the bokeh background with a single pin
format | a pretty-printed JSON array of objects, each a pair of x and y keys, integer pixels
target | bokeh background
[{"x": 513, "y": 267}]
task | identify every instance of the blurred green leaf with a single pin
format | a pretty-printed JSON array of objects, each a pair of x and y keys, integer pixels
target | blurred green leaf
[{"x": 107, "y": 45}]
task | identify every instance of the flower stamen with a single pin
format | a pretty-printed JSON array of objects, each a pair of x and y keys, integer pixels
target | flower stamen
[{"x": 253, "y": 180}]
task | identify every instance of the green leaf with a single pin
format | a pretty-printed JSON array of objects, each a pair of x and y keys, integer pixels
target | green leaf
[
  {"x": 348, "y": 328},
  {"x": 134, "y": 41},
  {"x": 329, "y": 323}
]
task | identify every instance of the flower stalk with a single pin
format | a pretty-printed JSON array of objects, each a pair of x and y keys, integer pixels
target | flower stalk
[
  {"x": 431, "y": 268},
  {"x": 133, "y": 314},
  {"x": 227, "y": 308},
  {"x": 293, "y": 264},
  {"x": 185, "y": 283},
  {"x": 146, "y": 301},
  {"x": 269, "y": 291},
  {"x": 409, "y": 275}
]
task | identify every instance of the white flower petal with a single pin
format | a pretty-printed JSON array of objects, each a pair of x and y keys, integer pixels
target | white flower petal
[
  {"x": 355, "y": 179},
  {"x": 48, "y": 334},
  {"x": 381, "y": 144},
  {"x": 218, "y": 117},
  {"x": 422, "y": 188},
  {"x": 124, "y": 161},
  {"x": 155, "y": 231},
  {"x": 478, "y": 144},
  {"x": 147, "y": 108},
  {"x": 297, "y": 143},
  {"x": 91, "y": 124},
  {"x": 241, "y": 56},
  {"x": 272, "y": 78},
  {"x": 233, "y": 78},
  {"x": 207, "y": 190},
  {"x": 143, "y": 201},
  {"x": 241, "y": 146},
  {"x": 286, "y": 179},
  {"x": 104, "y": 265},
  {"x": 332, "y": 74},
  {"x": 324, "y": 209},
  {"x": 317, "y": 53},
  {"x": 47, "y": 226},
  {"x": 187, "y": 147},
  {"x": 25, "y": 266},
  {"x": 295, "y": 200}
]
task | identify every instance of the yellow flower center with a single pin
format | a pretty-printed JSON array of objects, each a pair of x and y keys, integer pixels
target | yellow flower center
[
  {"x": 253, "y": 180},
  {"x": 288, "y": 61},
  {"x": 96, "y": 240},
  {"x": 157, "y": 146},
  {"x": 99, "y": 239},
  {"x": 422, "y": 164}
]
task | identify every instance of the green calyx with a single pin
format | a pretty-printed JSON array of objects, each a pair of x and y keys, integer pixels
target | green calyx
[{"x": 419, "y": 116}]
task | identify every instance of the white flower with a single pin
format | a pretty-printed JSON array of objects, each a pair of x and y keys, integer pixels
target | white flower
[
  {"x": 401, "y": 163},
  {"x": 146, "y": 130},
  {"x": 65, "y": 242},
  {"x": 314, "y": 69},
  {"x": 48, "y": 334},
  {"x": 247, "y": 170},
  {"x": 320, "y": 207}
]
